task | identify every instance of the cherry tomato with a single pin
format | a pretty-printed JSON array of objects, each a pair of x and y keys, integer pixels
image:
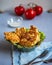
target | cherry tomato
[
  {"x": 19, "y": 10},
  {"x": 30, "y": 13},
  {"x": 38, "y": 10}
]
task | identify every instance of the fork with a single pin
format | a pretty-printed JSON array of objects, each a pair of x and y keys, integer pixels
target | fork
[
  {"x": 44, "y": 61},
  {"x": 43, "y": 54}
]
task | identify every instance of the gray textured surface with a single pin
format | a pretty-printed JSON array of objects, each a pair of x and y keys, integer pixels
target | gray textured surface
[{"x": 43, "y": 22}]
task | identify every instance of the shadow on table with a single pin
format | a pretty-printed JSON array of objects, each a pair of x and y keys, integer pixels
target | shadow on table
[
  {"x": 5, "y": 53},
  {"x": 5, "y": 46}
]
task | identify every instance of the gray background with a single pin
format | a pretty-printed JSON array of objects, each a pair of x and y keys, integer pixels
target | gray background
[{"x": 7, "y": 4}]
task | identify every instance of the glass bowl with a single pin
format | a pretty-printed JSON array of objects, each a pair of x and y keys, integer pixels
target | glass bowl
[{"x": 15, "y": 21}]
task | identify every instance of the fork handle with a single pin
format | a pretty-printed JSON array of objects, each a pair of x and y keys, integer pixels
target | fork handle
[
  {"x": 44, "y": 61},
  {"x": 29, "y": 63}
]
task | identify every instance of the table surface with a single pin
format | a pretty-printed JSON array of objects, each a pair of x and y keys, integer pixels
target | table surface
[{"x": 43, "y": 22}]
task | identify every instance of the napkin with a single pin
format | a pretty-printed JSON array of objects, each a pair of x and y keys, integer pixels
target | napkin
[{"x": 20, "y": 58}]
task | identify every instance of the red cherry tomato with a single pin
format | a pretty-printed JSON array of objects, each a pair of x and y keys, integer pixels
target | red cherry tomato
[
  {"x": 30, "y": 13},
  {"x": 38, "y": 10},
  {"x": 19, "y": 10}
]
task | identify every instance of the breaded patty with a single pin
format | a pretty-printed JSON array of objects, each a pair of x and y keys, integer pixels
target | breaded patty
[
  {"x": 24, "y": 37},
  {"x": 30, "y": 38},
  {"x": 12, "y": 37}
]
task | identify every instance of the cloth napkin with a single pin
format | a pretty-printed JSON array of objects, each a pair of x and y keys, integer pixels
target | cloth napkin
[{"x": 20, "y": 58}]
